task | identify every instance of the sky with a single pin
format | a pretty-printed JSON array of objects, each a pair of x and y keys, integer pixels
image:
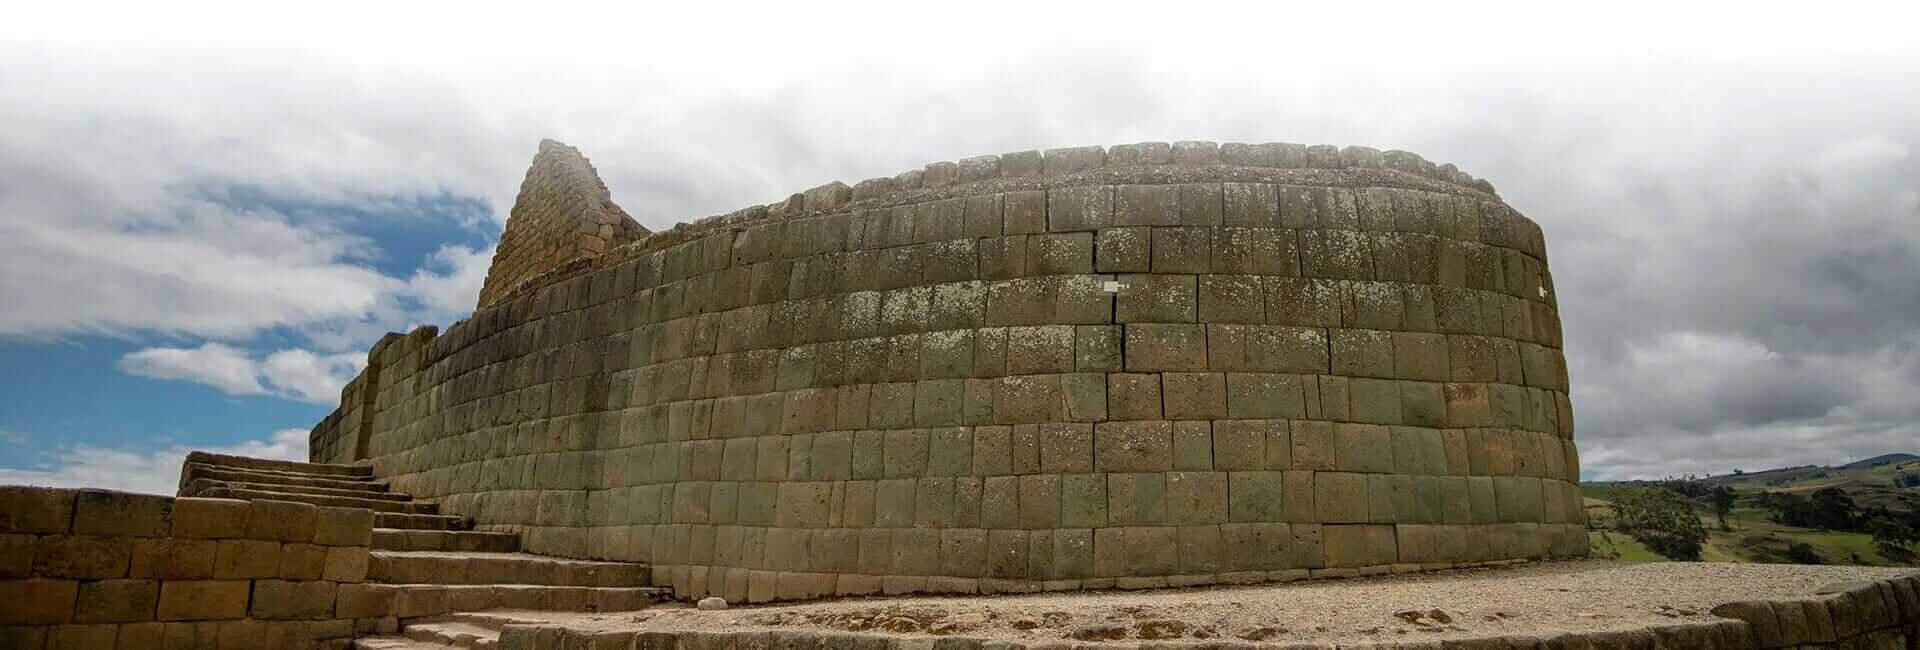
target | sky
[{"x": 208, "y": 211}]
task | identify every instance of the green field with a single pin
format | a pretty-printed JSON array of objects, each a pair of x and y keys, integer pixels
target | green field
[{"x": 1751, "y": 535}]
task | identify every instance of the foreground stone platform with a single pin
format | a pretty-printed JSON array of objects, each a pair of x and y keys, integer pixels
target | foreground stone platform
[{"x": 1582, "y": 604}]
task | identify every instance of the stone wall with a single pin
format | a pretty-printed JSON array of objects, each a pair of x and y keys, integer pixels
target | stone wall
[
  {"x": 563, "y": 213},
  {"x": 1140, "y": 366},
  {"x": 98, "y": 570}
]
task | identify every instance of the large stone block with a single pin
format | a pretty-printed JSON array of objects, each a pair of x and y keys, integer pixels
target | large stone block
[
  {"x": 100, "y": 512},
  {"x": 200, "y": 518},
  {"x": 82, "y": 556},
  {"x": 38, "y": 601},
  {"x": 1153, "y": 347},
  {"x": 36, "y": 510},
  {"x": 285, "y": 521},
  {"x": 116, "y": 601},
  {"x": 203, "y": 600}
]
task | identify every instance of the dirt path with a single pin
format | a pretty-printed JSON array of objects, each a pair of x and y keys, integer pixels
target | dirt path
[{"x": 1532, "y": 598}]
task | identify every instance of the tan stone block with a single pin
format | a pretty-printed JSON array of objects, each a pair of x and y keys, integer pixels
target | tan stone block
[
  {"x": 285, "y": 521},
  {"x": 203, "y": 600},
  {"x": 201, "y": 518},
  {"x": 36, "y": 510},
  {"x": 365, "y": 600},
  {"x": 116, "y": 601},
  {"x": 1340, "y": 497},
  {"x": 16, "y": 556},
  {"x": 292, "y": 600},
  {"x": 134, "y": 636},
  {"x": 302, "y": 561},
  {"x": 82, "y": 556},
  {"x": 100, "y": 512},
  {"x": 345, "y": 564},
  {"x": 82, "y": 637},
  {"x": 420, "y": 600},
  {"x": 246, "y": 558},
  {"x": 37, "y": 601},
  {"x": 344, "y": 527},
  {"x": 173, "y": 559},
  {"x": 244, "y": 634}
]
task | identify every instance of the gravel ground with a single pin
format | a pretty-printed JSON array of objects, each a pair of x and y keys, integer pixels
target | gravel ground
[{"x": 1539, "y": 597}]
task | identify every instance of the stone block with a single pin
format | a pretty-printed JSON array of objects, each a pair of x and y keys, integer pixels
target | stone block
[
  {"x": 37, "y": 601},
  {"x": 1362, "y": 353},
  {"x": 203, "y": 600},
  {"x": 246, "y": 559},
  {"x": 1265, "y": 396},
  {"x": 1040, "y": 349},
  {"x": 1124, "y": 250},
  {"x": 286, "y": 521},
  {"x": 1340, "y": 497},
  {"x": 1060, "y": 253},
  {"x": 82, "y": 556},
  {"x": 1137, "y": 499},
  {"x": 1364, "y": 447},
  {"x": 148, "y": 635},
  {"x": 1182, "y": 250},
  {"x": 1354, "y": 546},
  {"x": 1083, "y": 501},
  {"x": 420, "y": 600},
  {"x": 1196, "y": 498},
  {"x": 1039, "y": 501},
  {"x": 36, "y": 510},
  {"x": 1066, "y": 447},
  {"x": 200, "y": 518},
  {"x": 343, "y": 527},
  {"x": 16, "y": 556},
  {"x": 1156, "y": 298},
  {"x": 1250, "y": 204},
  {"x": 292, "y": 600},
  {"x": 1134, "y": 396},
  {"x": 1375, "y": 401},
  {"x": 345, "y": 564},
  {"x": 1025, "y": 212},
  {"x": 1193, "y": 445},
  {"x": 1152, "y": 347},
  {"x": 1194, "y": 396},
  {"x": 1147, "y": 205},
  {"x": 1150, "y": 551},
  {"x": 1201, "y": 550},
  {"x": 100, "y": 512},
  {"x": 1240, "y": 445},
  {"x": 1232, "y": 299},
  {"x": 172, "y": 559},
  {"x": 1313, "y": 445},
  {"x": 1084, "y": 208},
  {"x": 1257, "y": 496},
  {"x": 84, "y": 637},
  {"x": 302, "y": 561},
  {"x": 1145, "y": 446}
]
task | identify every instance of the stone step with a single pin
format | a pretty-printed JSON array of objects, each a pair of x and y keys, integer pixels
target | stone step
[
  {"x": 205, "y": 488},
  {"x": 315, "y": 491},
  {"x": 399, "y": 539},
  {"x": 243, "y": 462},
  {"x": 405, "y": 521},
  {"x": 455, "y": 568},
  {"x": 397, "y": 643},
  {"x": 232, "y": 475},
  {"x": 452, "y": 633},
  {"x": 435, "y": 602}
]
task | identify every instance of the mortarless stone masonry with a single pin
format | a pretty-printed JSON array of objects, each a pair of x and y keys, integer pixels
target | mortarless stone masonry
[{"x": 1137, "y": 366}]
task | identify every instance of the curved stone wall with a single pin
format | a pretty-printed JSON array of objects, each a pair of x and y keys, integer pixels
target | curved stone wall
[{"x": 1140, "y": 366}]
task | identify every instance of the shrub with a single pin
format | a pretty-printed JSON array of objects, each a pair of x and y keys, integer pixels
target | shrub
[{"x": 1662, "y": 520}]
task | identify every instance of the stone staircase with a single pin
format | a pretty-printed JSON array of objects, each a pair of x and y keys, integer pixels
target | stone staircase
[
  {"x": 462, "y": 630},
  {"x": 436, "y": 557}
]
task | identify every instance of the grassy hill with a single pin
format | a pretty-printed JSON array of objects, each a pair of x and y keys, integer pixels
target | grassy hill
[{"x": 1751, "y": 533}]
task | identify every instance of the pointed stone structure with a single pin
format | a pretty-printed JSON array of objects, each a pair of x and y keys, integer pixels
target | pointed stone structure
[{"x": 563, "y": 213}]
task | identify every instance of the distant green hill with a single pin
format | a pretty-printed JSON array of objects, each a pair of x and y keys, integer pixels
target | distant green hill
[{"x": 1890, "y": 482}]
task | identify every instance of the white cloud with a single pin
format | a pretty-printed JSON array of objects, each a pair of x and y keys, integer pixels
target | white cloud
[
  {"x": 293, "y": 374},
  {"x": 149, "y": 471}
]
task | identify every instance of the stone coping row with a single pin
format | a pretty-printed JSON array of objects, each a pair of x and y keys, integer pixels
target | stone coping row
[{"x": 1147, "y": 163}]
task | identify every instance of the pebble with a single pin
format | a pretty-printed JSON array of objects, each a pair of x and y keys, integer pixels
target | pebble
[{"x": 712, "y": 603}]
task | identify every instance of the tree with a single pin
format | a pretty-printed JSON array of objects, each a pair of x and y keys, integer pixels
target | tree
[
  {"x": 1802, "y": 553},
  {"x": 1894, "y": 534},
  {"x": 1722, "y": 498},
  {"x": 1661, "y": 519}
]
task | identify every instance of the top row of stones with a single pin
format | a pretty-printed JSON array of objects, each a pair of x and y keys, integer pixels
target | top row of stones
[{"x": 1057, "y": 163}]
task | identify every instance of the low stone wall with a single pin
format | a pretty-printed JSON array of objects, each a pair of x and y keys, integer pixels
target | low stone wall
[
  {"x": 100, "y": 570},
  {"x": 1876, "y": 614}
]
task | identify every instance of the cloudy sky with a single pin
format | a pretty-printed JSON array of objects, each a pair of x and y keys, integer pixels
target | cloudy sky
[{"x": 207, "y": 213}]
